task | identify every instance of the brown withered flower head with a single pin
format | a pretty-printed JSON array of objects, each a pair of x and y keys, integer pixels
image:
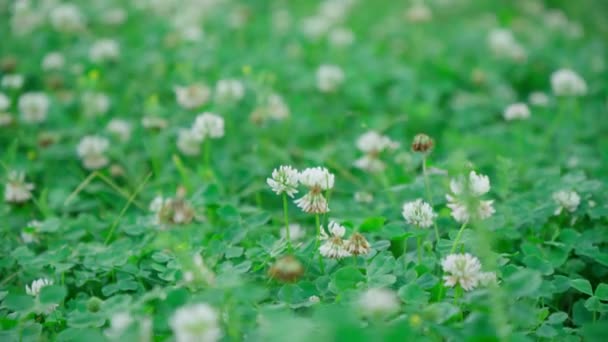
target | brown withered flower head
[
  {"x": 287, "y": 269},
  {"x": 422, "y": 143},
  {"x": 357, "y": 245}
]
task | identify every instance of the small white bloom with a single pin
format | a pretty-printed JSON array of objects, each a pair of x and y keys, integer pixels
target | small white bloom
[
  {"x": 314, "y": 299},
  {"x": 114, "y": 16},
  {"x": 317, "y": 177},
  {"x": 192, "y": 96},
  {"x": 37, "y": 285},
  {"x": 29, "y": 236},
  {"x": 503, "y": 44},
  {"x": 285, "y": 179},
  {"x": 296, "y": 232},
  {"x": 153, "y": 122},
  {"x": 379, "y": 302},
  {"x": 91, "y": 150},
  {"x": 118, "y": 324},
  {"x": 516, "y": 111},
  {"x": 12, "y": 81},
  {"x": 104, "y": 50},
  {"x": 418, "y": 13},
  {"x": 53, "y": 61},
  {"x": 5, "y": 102},
  {"x": 479, "y": 184},
  {"x": 373, "y": 142},
  {"x": 418, "y": 213},
  {"x": 16, "y": 189},
  {"x": 539, "y": 99},
  {"x": 229, "y": 90},
  {"x": 66, "y": 18},
  {"x": 33, "y": 107},
  {"x": 363, "y": 197},
  {"x": 208, "y": 125},
  {"x": 341, "y": 37},
  {"x": 461, "y": 269},
  {"x": 156, "y": 204},
  {"x": 188, "y": 142},
  {"x": 334, "y": 246},
  {"x": 272, "y": 107},
  {"x": 195, "y": 323},
  {"x": 121, "y": 128},
  {"x": 315, "y": 27},
  {"x": 487, "y": 278},
  {"x": 95, "y": 104},
  {"x": 329, "y": 78},
  {"x": 475, "y": 185},
  {"x": 568, "y": 200},
  {"x": 566, "y": 82}
]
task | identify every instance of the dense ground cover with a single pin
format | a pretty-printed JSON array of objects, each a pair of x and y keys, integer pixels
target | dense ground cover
[{"x": 343, "y": 170}]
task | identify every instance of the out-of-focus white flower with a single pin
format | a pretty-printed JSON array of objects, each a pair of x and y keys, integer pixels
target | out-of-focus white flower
[
  {"x": 334, "y": 246},
  {"x": 461, "y": 269},
  {"x": 477, "y": 184},
  {"x": 516, "y": 111},
  {"x": 379, "y": 302},
  {"x": 418, "y": 13},
  {"x": 363, "y": 197},
  {"x": 5, "y": 102},
  {"x": 104, "y": 50},
  {"x": 6, "y": 119},
  {"x": 314, "y": 299},
  {"x": 229, "y": 90},
  {"x": 418, "y": 213},
  {"x": 16, "y": 189},
  {"x": 37, "y": 285},
  {"x": 566, "y": 82},
  {"x": 285, "y": 179},
  {"x": 190, "y": 33},
  {"x": 153, "y": 122},
  {"x": 341, "y": 37},
  {"x": 539, "y": 99},
  {"x": 315, "y": 27},
  {"x": 118, "y": 325},
  {"x": 192, "y": 96},
  {"x": 296, "y": 232},
  {"x": 25, "y": 19},
  {"x": 487, "y": 279},
  {"x": 464, "y": 208},
  {"x": 329, "y": 78},
  {"x": 281, "y": 20},
  {"x": 272, "y": 107},
  {"x": 67, "y": 17},
  {"x": 208, "y": 125},
  {"x": 316, "y": 179},
  {"x": 33, "y": 107},
  {"x": 200, "y": 272},
  {"x": 53, "y": 61},
  {"x": 568, "y": 200},
  {"x": 196, "y": 322},
  {"x": 373, "y": 144},
  {"x": 188, "y": 142},
  {"x": 12, "y": 81},
  {"x": 121, "y": 128},
  {"x": 28, "y": 234},
  {"x": 95, "y": 104},
  {"x": 503, "y": 44},
  {"x": 91, "y": 151},
  {"x": 114, "y": 16},
  {"x": 175, "y": 210}
]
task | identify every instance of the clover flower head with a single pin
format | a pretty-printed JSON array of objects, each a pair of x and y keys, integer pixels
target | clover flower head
[
  {"x": 516, "y": 111},
  {"x": 36, "y": 286},
  {"x": 17, "y": 190},
  {"x": 208, "y": 125},
  {"x": 285, "y": 179},
  {"x": 418, "y": 213},
  {"x": 196, "y": 322},
  {"x": 566, "y": 82},
  {"x": 461, "y": 269},
  {"x": 192, "y": 96},
  {"x": 33, "y": 107},
  {"x": 378, "y": 302},
  {"x": 329, "y": 78},
  {"x": 568, "y": 200},
  {"x": 91, "y": 150},
  {"x": 334, "y": 247}
]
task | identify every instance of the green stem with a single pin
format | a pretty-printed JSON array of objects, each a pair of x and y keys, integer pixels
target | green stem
[
  {"x": 457, "y": 240},
  {"x": 286, "y": 217},
  {"x": 317, "y": 244},
  {"x": 429, "y": 198},
  {"x": 419, "y": 249}
]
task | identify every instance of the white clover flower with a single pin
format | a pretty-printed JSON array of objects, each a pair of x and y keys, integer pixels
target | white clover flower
[
  {"x": 104, "y": 50},
  {"x": 296, "y": 232},
  {"x": 33, "y": 107},
  {"x": 153, "y": 122},
  {"x": 121, "y": 128},
  {"x": 91, "y": 150},
  {"x": 357, "y": 245},
  {"x": 30, "y": 236},
  {"x": 192, "y": 96},
  {"x": 341, "y": 37},
  {"x": 16, "y": 189},
  {"x": 119, "y": 322},
  {"x": 478, "y": 184},
  {"x": 316, "y": 179},
  {"x": 53, "y": 61},
  {"x": 487, "y": 279},
  {"x": 461, "y": 269},
  {"x": 315, "y": 27},
  {"x": 95, "y": 104},
  {"x": 114, "y": 16},
  {"x": 516, "y": 111},
  {"x": 314, "y": 299},
  {"x": 196, "y": 323},
  {"x": 5, "y": 102},
  {"x": 373, "y": 144},
  {"x": 418, "y": 213},
  {"x": 503, "y": 44},
  {"x": 208, "y": 125},
  {"x": 418, "y": 13},
  {"x": 370, "y": 163},
  {"x": 568, "y": 200},
  {"x": 229, "y": 90},
  {"x": 188, "y": 142},
  {"x": 566, "y": 82},
  {"x": 272, "y": 107},
  {"x": 25, "y": 19},
  {"x": 334, "y": 246},
  {"x": 378, "y": 302},
  {"x": 329, "y": 78},
  {"x": 67, "y": 18},
  {"x": 539, "y": 99},
  {"x": 463, "y": 209},
  {"x": 12, "y": 81},
  {"x": 37, "y": 285},
  {"x": 156, "y": 204},
  {"x": 285, "y": 179},
  {"x": 363, "y": 197}
]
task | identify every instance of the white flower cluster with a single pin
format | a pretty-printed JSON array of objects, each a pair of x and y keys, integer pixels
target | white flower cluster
[
  {"x": 53, "y": 61},
  {"x": 67, "y": 17},
  {"x": 465, "y": 270},
  {"x": 16, "y": 189},
  {"x": 120, "y": 128},
  {"x": 95, "y": 104},
  {"x": 91, "y": 150},
  {"x": 327, "y": 21},
  {"x": 285, "y": 179},
  {"x": 104, "y": 50},
  {"x": 229, "y": 90},
  {"x": 172, "y": 210},
  {"x": 516, "y": 111},
  {"x": 566, "y": 82},
  {"x": 418, "y": 213},
  {"x": 568, "y": 200},
  {"x": 192, "y": 96},
  {"x": 378, "y": 302},
  {"x": 503, "y": 44},
  {"x": 329, "y": 78},
  {"x": 206, "y": 126},
  {"x": 12, "y": 81},
  {"x": 538, "y": 99},
  {"x": 335, "y": 247},
  {"x": 464, "y": 200},
  {"x": 196, "y": 322},
  {"x": 33, "y": 107},
  {"x": 317, "y": 180},
  {"x": 37, "y": 285},
  {"x": 372, "y": 144},
  {"x": 271, "y": 107}
]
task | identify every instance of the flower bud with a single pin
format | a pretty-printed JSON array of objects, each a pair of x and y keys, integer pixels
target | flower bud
[
  {"x": 286, "y": 269},
  {"x": 422, "y": 143},
  {"x": 94, "y": 304}
]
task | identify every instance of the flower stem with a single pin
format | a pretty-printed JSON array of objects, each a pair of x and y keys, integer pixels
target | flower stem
[
  {"x": 457, "y": 240},
  {"x": 429, "y": 198},
  {"x": 419, "y": 249},
  {"x": 318, "y": 224},
  {"x": 286, "y": 217}
]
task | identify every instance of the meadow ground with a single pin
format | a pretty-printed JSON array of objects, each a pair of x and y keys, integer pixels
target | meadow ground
[{"x": 342, "y": 170}]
